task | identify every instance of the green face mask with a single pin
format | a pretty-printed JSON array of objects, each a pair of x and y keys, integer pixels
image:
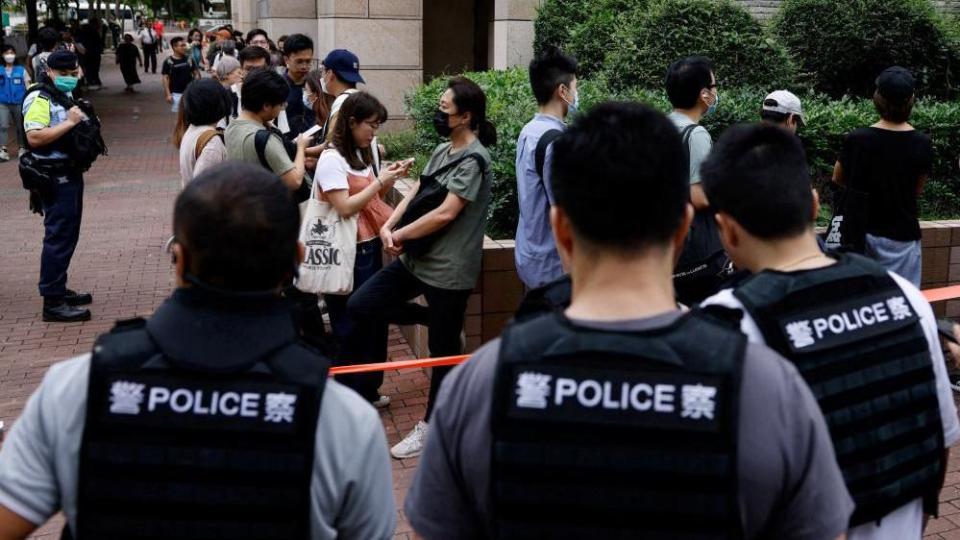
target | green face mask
[{"x": 66, "y": 83}]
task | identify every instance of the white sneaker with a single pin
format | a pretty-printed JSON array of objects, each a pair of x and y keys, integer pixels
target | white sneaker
[
  {"x": 381, "y": 403},
  {"x": 4, "y": 156},
  {"x": 412, "y": 444}
]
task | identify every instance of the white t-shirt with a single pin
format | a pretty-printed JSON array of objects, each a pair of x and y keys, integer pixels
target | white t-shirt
[
  {"x": 905, "y": 522},
  {"x": 147, "y": 36},
  {"x": 350, "y": 492},
  {"x": 332, "y": 171},
  {"x": 213, "y": 153}
]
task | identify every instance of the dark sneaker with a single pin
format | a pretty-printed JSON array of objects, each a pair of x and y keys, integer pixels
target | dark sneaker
[
  {"x": 73, "y": 298},
  {"x": 65, "y": 313}
]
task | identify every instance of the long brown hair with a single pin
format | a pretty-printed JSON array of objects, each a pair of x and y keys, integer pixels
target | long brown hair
[{"x": 358, "y": 107}]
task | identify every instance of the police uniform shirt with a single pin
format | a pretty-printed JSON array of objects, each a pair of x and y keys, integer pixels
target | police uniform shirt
[
  {"x": 790, "y": 484},
  {"x": 351, "y": 490},
  {"x": 906, "y": 521},
  {"x": 40, "y": 112}
]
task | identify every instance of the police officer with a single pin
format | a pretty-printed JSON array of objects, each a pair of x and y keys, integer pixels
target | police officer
[
  {"x": 623, "y": 417},
  {"x": 47, "y": 121},
  {"x": 210, "y": 420},
  {"x": 863, "y": 338}
]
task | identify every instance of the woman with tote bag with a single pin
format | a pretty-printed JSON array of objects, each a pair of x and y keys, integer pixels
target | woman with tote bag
[{"x": 345, "y": 216}]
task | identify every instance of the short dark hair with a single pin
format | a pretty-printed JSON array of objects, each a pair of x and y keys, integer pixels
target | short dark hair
[
  {"x": 897, "y": 112},
  {"x": 774, "y": 116},
  {"x": 238, "y": 226},
  {"x": 257, "y": 32},
  {"x": 263, "y": 86},
  {"x": 358, "y": 107},
  {"x": 757, "y": 173},
  {"x": 296, "y": 43},
  {"x": 253, "y": 52},
  {"x": 686, "y": 78},
  {"x": 175, "y": 41},
  {"x": 619, "y": 174},
  {"x": 550, "y": 70},
  {"x": 47, "y": 38},
  {"x": 205, "y": 102}
]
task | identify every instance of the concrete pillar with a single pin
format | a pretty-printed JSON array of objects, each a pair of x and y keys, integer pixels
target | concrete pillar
[
  {"x": 511, "y": 42},
  {"x": 387, "y": 37},
  {"x": 244, "y": 14},
  {"x": 279, "y": 17}
]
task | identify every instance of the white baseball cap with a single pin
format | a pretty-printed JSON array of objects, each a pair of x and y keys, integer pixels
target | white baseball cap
[{"x": 784, "y": 102}]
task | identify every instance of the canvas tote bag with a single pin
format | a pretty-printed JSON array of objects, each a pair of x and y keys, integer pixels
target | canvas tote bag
[{"x": 331, "y": 248}]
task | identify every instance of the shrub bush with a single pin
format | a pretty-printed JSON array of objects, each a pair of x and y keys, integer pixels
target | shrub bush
[
  {"x": 743, "y": 52},
  {"x": 841, "y": 46},
  {"x": 511, "y": 105},
  {"x": 582, "y": 28}
]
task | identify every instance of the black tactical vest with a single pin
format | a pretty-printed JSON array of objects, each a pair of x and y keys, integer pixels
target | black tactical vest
[
  {"x": 858, "y": 343},
  {"x": 173, "y": 452},
  {"x": 601, "y": 434}
]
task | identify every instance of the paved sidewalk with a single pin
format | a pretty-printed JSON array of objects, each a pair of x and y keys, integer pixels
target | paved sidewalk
[{"x": 127, "y": 213}]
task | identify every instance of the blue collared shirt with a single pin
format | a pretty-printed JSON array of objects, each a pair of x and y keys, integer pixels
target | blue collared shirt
[{"x": 536, "y": 253}]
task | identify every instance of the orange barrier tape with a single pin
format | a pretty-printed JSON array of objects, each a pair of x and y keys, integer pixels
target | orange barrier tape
[{"x": 932, "y": 295}]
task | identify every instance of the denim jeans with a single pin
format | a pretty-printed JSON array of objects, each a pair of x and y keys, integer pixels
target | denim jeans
[
  {"x": 385, "y": 298},
  {"x": 360, "y": 343}
]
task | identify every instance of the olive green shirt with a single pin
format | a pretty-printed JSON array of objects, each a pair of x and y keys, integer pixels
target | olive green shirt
[
  {"x": 239, "y": 138},
  {"x": 453, "y": 260}
]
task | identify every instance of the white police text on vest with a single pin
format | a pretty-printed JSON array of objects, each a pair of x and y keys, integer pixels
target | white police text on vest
[{"x": 863, "y": 319}]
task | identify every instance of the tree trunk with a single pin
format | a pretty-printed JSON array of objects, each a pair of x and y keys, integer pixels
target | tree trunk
[{"x": 32, "y": 24}]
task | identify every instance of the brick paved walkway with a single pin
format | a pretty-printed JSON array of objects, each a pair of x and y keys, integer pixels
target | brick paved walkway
[
  {"x": 127, "y": 211},
  {"x": 120, "y": 259}
]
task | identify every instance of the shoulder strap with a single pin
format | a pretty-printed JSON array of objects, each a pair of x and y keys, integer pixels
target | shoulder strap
[
  {"x": 205, "y": 138},
  {"x": 477, "y": 157},
  {"x": 540, "y": 155},
  {"x": 128, "y": 343},
  {"x": 260, "y": 143}
]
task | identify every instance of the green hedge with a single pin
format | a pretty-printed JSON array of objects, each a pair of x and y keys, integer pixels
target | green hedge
[
  {"x": 511, "y": 105},
  {"x": 842, "y": 45},
  {"x": 742, "y": 50}
]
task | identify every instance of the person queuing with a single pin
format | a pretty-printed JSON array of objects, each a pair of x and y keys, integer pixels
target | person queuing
[
  {"x": 346, "y": 180},
  {"x": 128, "y": 57},
  {"x": 228, "y": 72},
  {"x": 623, "y": 416},
  {"x": 195, "y": 45},
  {"x": 47, "y": 41},
  {"x": 250, "y": 58},
  {"x": 14, "y": 81},
  {"x": 149, "y": 42},
  {"x": 862, "y": 337},
  {"x": 340, "y": 77},
  {"x": 258, "y": 38},
  {"x": 47, "y": 122},
  {"x": 553, "y": 77},
  {"x": 205, "y": 103},
  {"x": 91, "y": 37},
  {"x": 178, "y": 70},
  {"x": 692, "y": 90},
  {"x": 228, "y": 49},
  {"x": 783, "y": 108},
  {"x": 298, "y": 56},
  {"x": 216, "y": 377},
  {"x": 264, "y": 97},
  {"x": 890, "y": 162},
  {"x": 440, "y": 248}
]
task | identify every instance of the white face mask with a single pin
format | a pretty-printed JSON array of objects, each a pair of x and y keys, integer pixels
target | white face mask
[
  {"x": 9, "y": 58},
  {"x": 323, "y": 84}
]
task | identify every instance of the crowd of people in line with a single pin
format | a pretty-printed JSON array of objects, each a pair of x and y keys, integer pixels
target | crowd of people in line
[{"x": 689, "y": 362}]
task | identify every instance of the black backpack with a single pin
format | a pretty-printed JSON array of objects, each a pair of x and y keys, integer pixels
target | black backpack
[
  {"x": 84, "y": 143},
  {"x": 260, "y": 143},
  {"x": 540, "y": 155}
]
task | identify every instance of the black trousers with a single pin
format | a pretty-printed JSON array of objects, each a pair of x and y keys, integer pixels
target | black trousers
[
  {"x": 62, "y": 213},
  {"x": 150, "y": 58},
  {"x": 385, "y": 298},
  {"x": 91, "y": 67}
]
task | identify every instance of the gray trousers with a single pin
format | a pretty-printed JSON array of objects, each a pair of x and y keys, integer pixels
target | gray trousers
[{"x": 10, "y": 118}]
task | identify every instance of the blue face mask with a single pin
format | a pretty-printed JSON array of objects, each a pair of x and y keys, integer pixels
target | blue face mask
[
  {"x": 573, "y": 108},
  {"x": 713, "y": 108},
  {"x": 66, "y": 83}
]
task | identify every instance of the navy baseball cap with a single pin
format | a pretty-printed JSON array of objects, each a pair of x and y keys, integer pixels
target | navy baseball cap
[
  {"x": 63, "y": 59},
  {"x": 345, "y": 64},
  {"x": 896, "y": 84}
]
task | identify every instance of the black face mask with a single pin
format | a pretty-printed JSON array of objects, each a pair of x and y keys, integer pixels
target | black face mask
[{"x": 441, "y": 122}]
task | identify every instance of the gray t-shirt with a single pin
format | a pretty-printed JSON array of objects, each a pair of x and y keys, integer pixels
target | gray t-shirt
[
  {"x": 453, "y": 260},
  {"x": 700, "y": 143},
  {"x": 790, "y": 485},
  {"x": 240, "y": 138},
  {"x": 351, "y": 490}
]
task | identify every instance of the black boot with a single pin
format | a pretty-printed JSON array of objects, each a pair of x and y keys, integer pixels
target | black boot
[
  {"x": 57, "y": 310},
  {"x": 73, "y": 298}
]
